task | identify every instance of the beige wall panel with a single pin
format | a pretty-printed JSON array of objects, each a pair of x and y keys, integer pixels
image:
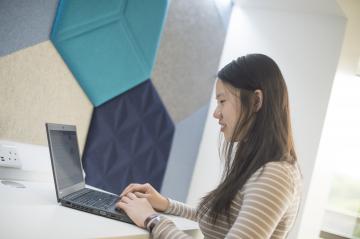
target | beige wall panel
[{"x": 37, "y": 87}]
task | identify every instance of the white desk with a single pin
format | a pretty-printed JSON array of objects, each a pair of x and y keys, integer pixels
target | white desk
[{"x": 33, "y": 212}]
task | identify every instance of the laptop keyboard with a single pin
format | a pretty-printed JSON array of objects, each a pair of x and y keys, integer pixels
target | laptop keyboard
[{"x": 93, "y": 198}]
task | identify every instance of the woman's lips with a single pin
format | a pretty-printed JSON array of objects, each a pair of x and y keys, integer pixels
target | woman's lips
[{"x": 222, "y": 127}]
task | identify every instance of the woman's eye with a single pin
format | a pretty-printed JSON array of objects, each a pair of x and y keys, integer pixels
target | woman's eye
[{"x": 222, "y": 101}]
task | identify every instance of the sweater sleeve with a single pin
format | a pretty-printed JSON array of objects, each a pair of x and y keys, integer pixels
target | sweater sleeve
[
  {"x": 166, "y": 228},
  {"x": 266, "y": 199},
  {"x": 267, "y": 196},
  {"x": 180, "y": 209}
]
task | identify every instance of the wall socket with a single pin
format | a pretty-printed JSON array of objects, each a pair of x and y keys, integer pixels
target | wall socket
[{"x": 9, "y": 156}]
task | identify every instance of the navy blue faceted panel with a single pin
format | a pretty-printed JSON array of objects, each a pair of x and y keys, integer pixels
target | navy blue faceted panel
[{"x": 129, "y": 141}]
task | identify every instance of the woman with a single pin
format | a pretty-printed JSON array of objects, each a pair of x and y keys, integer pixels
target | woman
[{"x": 259, "y": 194}]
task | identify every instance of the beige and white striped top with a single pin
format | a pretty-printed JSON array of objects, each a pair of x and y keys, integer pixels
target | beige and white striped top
[{"x": 266, "y": 207}]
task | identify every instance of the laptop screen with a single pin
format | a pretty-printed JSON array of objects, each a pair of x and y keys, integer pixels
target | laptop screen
[{"x": 65, "y": 157}]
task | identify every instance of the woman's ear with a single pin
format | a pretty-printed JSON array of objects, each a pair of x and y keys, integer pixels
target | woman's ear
[{"x": 258, "y": 100}]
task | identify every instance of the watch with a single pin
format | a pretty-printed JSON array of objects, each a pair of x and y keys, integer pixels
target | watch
[{"x": 153, "y": 222}]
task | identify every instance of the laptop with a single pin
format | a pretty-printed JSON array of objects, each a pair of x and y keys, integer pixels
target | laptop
[{"x": 69, "y": 178}]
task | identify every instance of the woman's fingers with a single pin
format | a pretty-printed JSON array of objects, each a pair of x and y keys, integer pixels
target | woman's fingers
[
  {"x": 126, "y": 190},
  {"x": 135, "y": 188},
  {"x": 131, "y": 196},
  {"x": 121, "y": 205},
  {"x": 139, "y": 188},
  {"x": 137, "y": 209},
  {"x": 141, "y": 195},
  {"x": 125, "y": 199}
]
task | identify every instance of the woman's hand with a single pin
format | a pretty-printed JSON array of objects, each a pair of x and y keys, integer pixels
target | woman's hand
[
  {"x": 157, "y": 201},
  {"x": 138, "y": 209}
]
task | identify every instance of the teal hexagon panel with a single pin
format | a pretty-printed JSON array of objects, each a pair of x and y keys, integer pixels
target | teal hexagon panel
[{"x": 109, "y": 46}]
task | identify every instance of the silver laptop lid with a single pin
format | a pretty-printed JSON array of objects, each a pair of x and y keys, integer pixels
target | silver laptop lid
[{"x": 65, "y": 159}]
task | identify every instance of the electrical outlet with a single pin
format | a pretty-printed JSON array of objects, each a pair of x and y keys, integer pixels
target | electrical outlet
[{"x": 9, "y": 156}]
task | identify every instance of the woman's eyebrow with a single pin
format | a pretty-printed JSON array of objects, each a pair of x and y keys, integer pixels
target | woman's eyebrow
[{"x": 219, "y": 95}]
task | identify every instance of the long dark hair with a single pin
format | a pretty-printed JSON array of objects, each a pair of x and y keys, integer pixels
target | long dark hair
[{"x": 259, "y": 136}]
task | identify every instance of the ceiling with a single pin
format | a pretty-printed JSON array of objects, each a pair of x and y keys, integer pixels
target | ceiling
[{"x": 309, "y": 6}]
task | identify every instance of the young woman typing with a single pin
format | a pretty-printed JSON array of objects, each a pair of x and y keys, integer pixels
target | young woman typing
[{"x": 259, "y": 194}]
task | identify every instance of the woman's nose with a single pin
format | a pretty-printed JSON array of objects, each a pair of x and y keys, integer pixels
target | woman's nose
[{"x": 216, "y": 114}]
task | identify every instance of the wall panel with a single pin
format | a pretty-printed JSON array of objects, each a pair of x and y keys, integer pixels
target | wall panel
[
  {"x": 37, "y": 87},
  {"x": 188, "y": 56},
  {"x": 24, "y": 23}
]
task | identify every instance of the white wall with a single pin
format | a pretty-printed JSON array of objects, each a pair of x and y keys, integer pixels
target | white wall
[{"x": 306, "y": 46}]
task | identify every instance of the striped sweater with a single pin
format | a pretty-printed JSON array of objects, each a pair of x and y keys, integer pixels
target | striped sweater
[{"x": 266, "y": 207}]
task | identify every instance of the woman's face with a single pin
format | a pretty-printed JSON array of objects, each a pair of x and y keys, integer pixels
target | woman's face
[{"x": 227, "y": 109}]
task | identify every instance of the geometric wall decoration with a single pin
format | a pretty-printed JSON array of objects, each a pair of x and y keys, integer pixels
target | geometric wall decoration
[
  {"x": 25, "y": 23},
  {"x": 37, "y": 87},
  {"x": 129, "y": 141},
  {"x": 186, "y": 62},
  {"x": 188, "y": 57},
  {"x": 183, "y": 155},
  {"x": 109, "y": 46},
  {"x": 184, "y": 75}
]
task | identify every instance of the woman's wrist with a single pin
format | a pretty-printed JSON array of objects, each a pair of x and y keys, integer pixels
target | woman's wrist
[{"x": 165, "y": 204}]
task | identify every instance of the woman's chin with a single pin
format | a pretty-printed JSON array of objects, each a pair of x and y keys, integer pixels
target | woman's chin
[{"x": 227, "y": 138}]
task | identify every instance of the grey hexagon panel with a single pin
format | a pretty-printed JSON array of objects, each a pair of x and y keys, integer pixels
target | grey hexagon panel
[{"x": 189, "y": 56}]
